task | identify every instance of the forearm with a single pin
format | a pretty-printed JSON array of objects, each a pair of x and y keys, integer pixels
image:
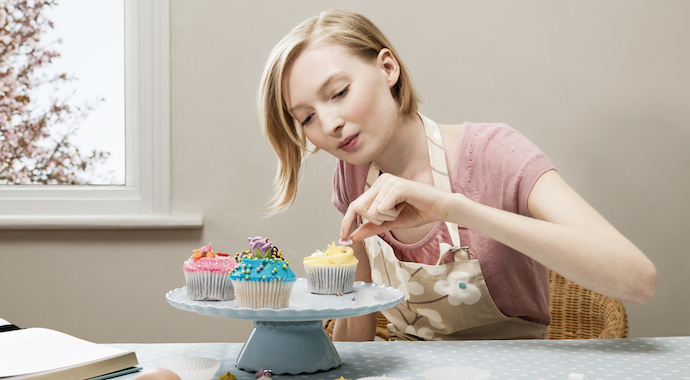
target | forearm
[
  {"x": 604, "y": 262},
  {"x": 362, "y": 328},
  {"x": 355, "y": 329}
]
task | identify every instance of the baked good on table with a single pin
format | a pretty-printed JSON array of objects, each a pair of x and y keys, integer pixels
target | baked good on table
[
  {"x": 206, "y": 273},
  {"x": 331, "y": 271},
  {"x": 262, "y": 278}
]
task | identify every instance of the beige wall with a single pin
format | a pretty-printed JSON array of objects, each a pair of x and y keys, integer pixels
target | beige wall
[{"x": 601, "y": 86}]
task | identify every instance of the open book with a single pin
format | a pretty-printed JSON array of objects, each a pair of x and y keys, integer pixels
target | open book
[{"x": 38, "y": 353}]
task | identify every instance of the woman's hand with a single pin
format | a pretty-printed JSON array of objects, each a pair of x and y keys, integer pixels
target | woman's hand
[{"x": 394, "y": 203}]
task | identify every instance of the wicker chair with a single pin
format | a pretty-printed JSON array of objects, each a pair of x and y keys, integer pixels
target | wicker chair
[{"x": 576, "y": 313}]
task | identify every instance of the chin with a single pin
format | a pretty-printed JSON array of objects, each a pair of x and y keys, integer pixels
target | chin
[
  {"x": 358, "y": 157},
  {"x": 354, "y": 161}
]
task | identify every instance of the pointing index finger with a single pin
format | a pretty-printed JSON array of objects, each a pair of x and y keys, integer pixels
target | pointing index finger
[{"x": 349, "y": 220}]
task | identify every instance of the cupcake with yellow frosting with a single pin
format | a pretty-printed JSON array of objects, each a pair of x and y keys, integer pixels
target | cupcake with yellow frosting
[{"x": 331, "y": 271}]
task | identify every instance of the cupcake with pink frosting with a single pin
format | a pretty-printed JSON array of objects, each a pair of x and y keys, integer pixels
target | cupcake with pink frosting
[
  {"x": 262, "y": 278},
  {"x": 206, "y": 273}
]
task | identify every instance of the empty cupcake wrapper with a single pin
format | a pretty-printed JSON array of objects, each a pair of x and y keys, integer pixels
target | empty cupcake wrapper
[
  {"x": 191, "y": 368},
  {"x": 453, "y": 373}
]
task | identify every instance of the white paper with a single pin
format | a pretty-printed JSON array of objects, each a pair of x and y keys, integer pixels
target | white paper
[{"x": 38, "y": 349}]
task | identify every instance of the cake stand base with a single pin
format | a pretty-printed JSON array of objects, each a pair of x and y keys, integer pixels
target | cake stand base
[{"x": 288, "y": 348}]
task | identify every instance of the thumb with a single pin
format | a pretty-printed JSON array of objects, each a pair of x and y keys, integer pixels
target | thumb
[{"x": 369, "y": 229}]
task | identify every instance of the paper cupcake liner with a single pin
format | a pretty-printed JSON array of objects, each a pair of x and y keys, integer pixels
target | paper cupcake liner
[
  {"x": 263, "y": 294},
  {"x": 330, "y": 279},
  {"x": 191, "y": 368},
  {"x": 468, "y": 373},
  {"x": 209, "y": 286}
]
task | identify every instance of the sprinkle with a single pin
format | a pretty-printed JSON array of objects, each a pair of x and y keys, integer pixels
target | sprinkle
[
  {"x": 263, "y": 277},
  {"x": 197, "y": 254},
  {"x": 246, "y": 277},
  {"x": 353, "y": 298}
]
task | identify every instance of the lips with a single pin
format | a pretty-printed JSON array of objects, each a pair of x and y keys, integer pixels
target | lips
[{"x": 349, "y": 143}]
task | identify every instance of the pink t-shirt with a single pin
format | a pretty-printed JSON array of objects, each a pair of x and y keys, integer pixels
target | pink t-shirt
[{"x": 495, "y": 166}]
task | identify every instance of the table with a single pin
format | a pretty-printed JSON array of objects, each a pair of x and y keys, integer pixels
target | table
[{"x": 638, "y": 358}]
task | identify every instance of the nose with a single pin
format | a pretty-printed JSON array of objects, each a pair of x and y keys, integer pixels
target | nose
[{"x": 332, "y": 123}]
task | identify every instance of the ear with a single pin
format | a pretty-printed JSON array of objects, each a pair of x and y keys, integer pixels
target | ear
[{"x": 390, "y": 66}]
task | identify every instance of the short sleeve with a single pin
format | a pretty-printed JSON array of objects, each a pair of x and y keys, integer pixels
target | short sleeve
[{"x": 497, "y": 166}]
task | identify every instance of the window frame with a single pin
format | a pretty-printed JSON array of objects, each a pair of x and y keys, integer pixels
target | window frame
[{"x": 144, "y": 200}]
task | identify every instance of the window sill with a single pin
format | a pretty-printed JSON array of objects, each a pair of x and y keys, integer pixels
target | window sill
[{"x": 100, "y": 222}]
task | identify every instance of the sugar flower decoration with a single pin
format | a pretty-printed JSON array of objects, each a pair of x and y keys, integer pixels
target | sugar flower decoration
[
  {"x": 228, "y": 376},
  {"x": 263, "y": 374},
  {"x": 261, "y": 247}
]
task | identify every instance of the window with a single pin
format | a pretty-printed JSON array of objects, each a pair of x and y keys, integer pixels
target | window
[
  {"x": 144, "y": 200},
  {"x": 97, "y": 60}
]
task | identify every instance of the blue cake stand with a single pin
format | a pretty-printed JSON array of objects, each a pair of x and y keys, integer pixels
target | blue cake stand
[{"x": 296, "y": 332}]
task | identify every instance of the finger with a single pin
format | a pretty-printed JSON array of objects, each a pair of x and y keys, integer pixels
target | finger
[
  {"x": 376, "y": 212},
  {"x": 369, "y": 229},
  {"x": 385, "y": 205},
  {"x": 391, "y": 200},
  {"x": 367, "y": 205},
  {"x": 349, "y": 220},
  {"x": 377, "y": 215}
]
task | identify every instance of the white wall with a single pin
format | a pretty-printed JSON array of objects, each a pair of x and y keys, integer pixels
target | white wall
[{"x": 600, "y": 86}]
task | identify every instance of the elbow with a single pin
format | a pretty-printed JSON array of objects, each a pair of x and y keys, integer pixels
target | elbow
[{"x": 645, "y": 286}]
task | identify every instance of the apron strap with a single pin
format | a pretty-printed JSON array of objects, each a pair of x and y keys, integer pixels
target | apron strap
[{"x": 439, "y": 170}]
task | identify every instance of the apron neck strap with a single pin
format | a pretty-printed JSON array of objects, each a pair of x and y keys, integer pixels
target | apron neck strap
[{"x": 439, "y": 168}]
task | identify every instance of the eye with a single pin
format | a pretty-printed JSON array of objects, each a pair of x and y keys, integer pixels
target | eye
[
  {"x": 307, "y": 120},
  {"x": 341, "y": 93}
]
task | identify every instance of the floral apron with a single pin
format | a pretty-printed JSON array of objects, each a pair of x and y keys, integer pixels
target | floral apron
[{"x": 443, "y": 301}]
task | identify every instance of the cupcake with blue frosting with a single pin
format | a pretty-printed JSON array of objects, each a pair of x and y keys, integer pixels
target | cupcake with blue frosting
[{"x": 262, "y": 278}]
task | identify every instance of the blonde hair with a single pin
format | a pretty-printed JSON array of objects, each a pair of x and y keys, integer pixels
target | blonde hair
[{"x": 283, "y": 132}]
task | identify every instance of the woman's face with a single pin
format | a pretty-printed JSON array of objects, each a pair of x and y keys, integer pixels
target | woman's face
[{"x": 344, "y": 103}]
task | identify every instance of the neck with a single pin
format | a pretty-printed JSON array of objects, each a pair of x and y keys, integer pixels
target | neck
[{"x": 406, "y": 154}]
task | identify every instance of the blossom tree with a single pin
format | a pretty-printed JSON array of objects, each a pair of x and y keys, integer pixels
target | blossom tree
[{"x": 35, "y": 146}]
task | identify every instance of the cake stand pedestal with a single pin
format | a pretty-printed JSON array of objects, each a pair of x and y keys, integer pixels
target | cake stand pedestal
[{"x": 292, "y": 340}]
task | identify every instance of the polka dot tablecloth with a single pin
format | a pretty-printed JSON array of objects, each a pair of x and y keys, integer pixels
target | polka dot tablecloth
[{"x": 640, "y": 358}]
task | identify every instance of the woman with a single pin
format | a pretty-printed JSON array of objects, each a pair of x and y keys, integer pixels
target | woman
[{"x": 465, "y": 219}]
